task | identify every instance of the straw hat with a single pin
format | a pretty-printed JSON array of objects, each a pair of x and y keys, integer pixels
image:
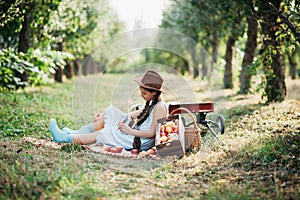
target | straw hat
[{"x": 150, "y": 80}]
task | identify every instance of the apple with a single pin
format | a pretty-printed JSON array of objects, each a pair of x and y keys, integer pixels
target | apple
[
  {"x": 135, "y": 151},
  {"x": 175, "y": 129},
  {"x": 151, "y": 151},
  {"x": 176, "y": 122},
  {"x": 107, "y": 148},
  {"x": 162, "y": 128},
  {"x": 163, "y": 139},
  {"x": 170, "y": 123},
  {"x": 119, "y": 148},
  {"x": 163, "y": 134},
  {"x": 114, "y": 150},
  {"x": 168, "y": 129}
]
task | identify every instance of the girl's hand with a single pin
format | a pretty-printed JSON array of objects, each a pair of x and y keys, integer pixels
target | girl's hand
[
  {"x": 97, "y": 117},
  {"x": 124, "y": 127}
]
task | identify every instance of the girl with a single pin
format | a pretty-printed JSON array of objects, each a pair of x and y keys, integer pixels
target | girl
[{"x": 106, "y": 131}]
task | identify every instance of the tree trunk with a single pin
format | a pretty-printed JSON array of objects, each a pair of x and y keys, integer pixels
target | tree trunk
[
  {"x": 215, "y": 43},
  {"x": 24, "y": 35},
  {"x": 58, "y": 75},
  {"x": 228, "y": 66},
  {"x": 275, "y": 78},
  {"x": 195, "y": 64},
  {"x": 245, "y": 76},
  {"x": 86, "y": 65},
  {"x": 76, "y": 66},
  {"x": 185, "y": 67},
  {"x": 293, "y": 65},
  {"x": 58, "y": 70},
  {"x": 68, "y": 69},
  {"x": 203, "y": 62},
  {"x": 24, "y": 42},
  {"x": 228, "y": 82}
]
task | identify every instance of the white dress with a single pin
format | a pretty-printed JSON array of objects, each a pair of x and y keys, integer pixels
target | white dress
[{"x": 111, "y": 135}]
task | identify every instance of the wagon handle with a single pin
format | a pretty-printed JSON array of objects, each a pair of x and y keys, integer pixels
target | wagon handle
[{"x": 189, "y": 112}]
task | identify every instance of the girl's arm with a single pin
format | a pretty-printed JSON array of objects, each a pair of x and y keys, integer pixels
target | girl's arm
[
  {"x": 159, "y": 112},
  {"x": 135, "y": 113}
]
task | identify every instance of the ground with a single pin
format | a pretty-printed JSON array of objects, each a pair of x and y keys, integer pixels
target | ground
[{"x": 260, "y": 161}]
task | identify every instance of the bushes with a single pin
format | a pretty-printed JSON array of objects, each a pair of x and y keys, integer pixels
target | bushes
[
  {"x": 19, "y": 70},
  {"x": 12, "y": 66}
]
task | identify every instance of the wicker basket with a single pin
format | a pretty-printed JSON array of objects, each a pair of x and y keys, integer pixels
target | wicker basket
[{"x": 191, "y": 135}]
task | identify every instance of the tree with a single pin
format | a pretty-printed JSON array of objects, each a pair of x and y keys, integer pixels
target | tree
[
  {"x": 79, "y": 26},
  {"x": 35, "y": 28},
  {"x": 182, "y": 16},
  {"x": 228, "y": 82},
  {"x": 20, "y": 29},
  {"x": 293, "y": 63},
  {"x": 250, "y": 49},
  {"x": 272, "y": 56}
]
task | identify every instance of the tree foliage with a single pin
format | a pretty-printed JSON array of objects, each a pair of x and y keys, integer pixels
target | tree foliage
[
  {"x": 212, "y": 22},
  {"x": 55, "y": 28}
]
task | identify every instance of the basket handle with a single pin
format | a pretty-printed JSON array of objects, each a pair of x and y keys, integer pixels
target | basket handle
[{"x": 189, "y": 112}]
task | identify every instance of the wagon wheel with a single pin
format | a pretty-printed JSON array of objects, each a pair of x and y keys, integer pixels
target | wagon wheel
[
  {"x": 214, "y": 129},
  {"x": 220, "y": 124}
]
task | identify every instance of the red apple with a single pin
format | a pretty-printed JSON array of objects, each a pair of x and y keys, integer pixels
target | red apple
[
  {"x": 170, "y": 123},
  {"x": 135, "y": 151},
  {"x": 163, "y": 139},
  {"x": 107, "y": 148},
  {"x": 151, "y": 151},
  {"x": 162, "y": 128},
  {"x": 163, "y": 134},
  {"x": 175, "y": 129},
  {"x": 168, "y": 129},
  {"x": 143, "y": 153},
  {"x": 114, "y": 150},
  {"x": 119, "y": 148}
]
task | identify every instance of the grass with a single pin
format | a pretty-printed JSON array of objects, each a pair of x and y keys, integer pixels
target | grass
[{"x": 261, "y": 159}]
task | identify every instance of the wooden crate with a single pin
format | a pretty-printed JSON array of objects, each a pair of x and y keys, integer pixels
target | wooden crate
[{"x": 175, "y": 146}]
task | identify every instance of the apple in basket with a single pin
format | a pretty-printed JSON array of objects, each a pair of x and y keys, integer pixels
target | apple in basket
[
  {"x": 168, "y": 129},
  {"x": 163, "y": 139},
  {"x": 163, "y": 134},
  {"x": 175, "y": 129},
  {"x": 162, "y": 128}
]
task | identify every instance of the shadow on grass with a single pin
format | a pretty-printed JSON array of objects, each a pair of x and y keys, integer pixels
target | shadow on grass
[{"x": 237, "y": 112}]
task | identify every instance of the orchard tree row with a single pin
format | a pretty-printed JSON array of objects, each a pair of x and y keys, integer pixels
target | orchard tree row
[
  {"x": 269, "y": 29},
  {"x": 38, "y": 38}
]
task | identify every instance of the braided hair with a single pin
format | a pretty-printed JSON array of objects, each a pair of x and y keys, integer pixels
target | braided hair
[
  {"x": 146, "y": 110},
  {"x": 144, "y": 115}
]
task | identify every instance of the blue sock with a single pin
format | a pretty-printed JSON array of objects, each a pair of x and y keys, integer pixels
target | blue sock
[
  {"x": 57, "y": 134},
  {"x": 70, "y": 131}
]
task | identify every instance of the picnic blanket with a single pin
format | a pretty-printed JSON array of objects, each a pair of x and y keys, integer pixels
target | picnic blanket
[{"x": 92, "y": 148}]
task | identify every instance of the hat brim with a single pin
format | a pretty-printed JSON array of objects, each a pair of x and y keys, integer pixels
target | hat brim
[{"x": 138, "y": 79}]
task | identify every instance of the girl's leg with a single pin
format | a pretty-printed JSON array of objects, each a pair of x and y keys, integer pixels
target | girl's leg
[
  {"x": 57, "y": 134},
  {"x": 98, "y": 124},
  {"x": 90, "y": 128},
  {"x": 62, "y": 137},
  {"x": 88, "y": 138}
]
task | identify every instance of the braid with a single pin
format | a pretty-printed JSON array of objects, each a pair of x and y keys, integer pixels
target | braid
[
  {"x": 143, "y": 116},
  {"x": 145, "y": 112}
]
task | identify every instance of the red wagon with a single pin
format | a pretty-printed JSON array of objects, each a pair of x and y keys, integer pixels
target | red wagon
[{"x": 200, "y": 110}]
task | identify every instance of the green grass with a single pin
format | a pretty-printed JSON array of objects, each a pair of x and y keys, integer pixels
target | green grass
[{"x": 261, "y": 160}]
